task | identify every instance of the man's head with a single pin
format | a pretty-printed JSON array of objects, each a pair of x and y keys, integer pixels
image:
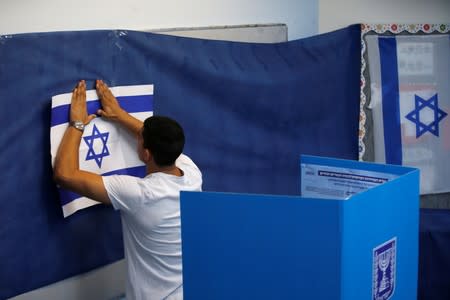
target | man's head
[{"x": 163, "y": 138}]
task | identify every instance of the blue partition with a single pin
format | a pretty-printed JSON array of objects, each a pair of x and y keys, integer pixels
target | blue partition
[{"x": 249, "y": 246}]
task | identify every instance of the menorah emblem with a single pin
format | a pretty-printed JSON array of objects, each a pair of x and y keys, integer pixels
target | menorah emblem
[
  {"x": 384, "y": 270},
  {"x": 384, "y": 260}
]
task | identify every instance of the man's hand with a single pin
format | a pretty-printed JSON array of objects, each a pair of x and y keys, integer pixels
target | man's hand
[
  {"x": 67, "y": 171},
  {"x": 78, "y": 111},
  {"x": 111, "y": 109},
  {"x": 110, "y": 106}
]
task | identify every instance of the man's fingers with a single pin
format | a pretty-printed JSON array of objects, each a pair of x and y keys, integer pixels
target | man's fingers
[
  {"x": 79, "y": 92},
  {"x": 104, "y": 91},
  {"x": 75, "y": 94},
  {"x": 97, "y": 85},
  {"x": 78, "y": 104},
  {"x": 101, "y": 86}
]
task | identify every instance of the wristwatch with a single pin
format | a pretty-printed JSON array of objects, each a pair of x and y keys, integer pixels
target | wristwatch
[{"x": 78, "y": 125}]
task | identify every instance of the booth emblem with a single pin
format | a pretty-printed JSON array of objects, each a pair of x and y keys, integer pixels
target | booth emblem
[{"x": 383, "y": 270}]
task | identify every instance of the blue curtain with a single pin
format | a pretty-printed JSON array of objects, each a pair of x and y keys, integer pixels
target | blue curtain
[{"x": 249, "y": 110}]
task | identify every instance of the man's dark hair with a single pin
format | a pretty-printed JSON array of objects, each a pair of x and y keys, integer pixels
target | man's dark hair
[{"x": 164, "y": 138}]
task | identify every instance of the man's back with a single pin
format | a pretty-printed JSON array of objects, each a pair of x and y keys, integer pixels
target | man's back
[{"x": 150, "y": 210}]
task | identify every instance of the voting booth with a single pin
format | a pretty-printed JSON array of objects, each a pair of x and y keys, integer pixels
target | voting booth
[{"x": 352, "y": 234}]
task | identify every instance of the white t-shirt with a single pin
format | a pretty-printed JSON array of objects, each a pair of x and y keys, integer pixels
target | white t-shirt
[{"x": 150, "y": 211}]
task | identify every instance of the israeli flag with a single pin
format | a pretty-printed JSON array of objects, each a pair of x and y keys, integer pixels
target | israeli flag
[
  {"x": 105, "y": 147},
  {"x": 410, "y": 101}
]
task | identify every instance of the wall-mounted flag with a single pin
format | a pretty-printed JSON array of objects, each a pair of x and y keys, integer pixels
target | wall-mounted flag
[
  {"x": 105, "y": 147},
  {"x": 410, "y": 92}
]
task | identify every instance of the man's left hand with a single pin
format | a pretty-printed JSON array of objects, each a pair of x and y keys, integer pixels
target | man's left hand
[{"x": 78, "y": 110}]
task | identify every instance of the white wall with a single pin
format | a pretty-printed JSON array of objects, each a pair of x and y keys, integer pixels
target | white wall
[
  {"x": 19, "y": 16},
  {"x": 303, "y": 17},
  {"x": 334, "y": 14}
]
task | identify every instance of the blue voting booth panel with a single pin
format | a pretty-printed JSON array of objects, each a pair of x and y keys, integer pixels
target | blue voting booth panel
[
  {"x": 238, "y": 246},
  {"x": 385, "y": 217},
  {"x": 248, "y": 246}
]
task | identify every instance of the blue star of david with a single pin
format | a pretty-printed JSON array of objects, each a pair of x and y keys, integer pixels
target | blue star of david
[
  {"x": 89, "y": 140},
  {"x": 414, "y": 116}
]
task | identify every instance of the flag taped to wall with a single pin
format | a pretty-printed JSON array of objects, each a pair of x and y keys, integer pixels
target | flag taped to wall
[{"x": 105, "y": 148}]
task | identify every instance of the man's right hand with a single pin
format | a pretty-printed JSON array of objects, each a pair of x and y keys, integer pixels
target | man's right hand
[
  {"x": 111, "y": 109},
  {"x": 110, "y": 106}
]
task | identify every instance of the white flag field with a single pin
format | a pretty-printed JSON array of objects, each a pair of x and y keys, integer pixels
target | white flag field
[
  {"x": 105, "y": 147},
  {"x": 410, "y": 102}
]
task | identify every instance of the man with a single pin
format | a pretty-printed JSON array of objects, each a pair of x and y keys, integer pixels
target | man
[{"x": 149, "y": 207}]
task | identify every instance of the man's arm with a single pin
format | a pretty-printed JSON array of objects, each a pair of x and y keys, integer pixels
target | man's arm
[
  {"x": 111, "y": 110},
  {"x": 67, "y": 171}
]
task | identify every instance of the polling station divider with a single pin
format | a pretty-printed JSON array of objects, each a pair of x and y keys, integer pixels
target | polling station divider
[{"x": 351, "y": 234}]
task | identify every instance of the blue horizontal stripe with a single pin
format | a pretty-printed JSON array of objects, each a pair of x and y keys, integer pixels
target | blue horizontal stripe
[
  {"x": 67, "y": 196},
  {"x": 131, "y": 104}
]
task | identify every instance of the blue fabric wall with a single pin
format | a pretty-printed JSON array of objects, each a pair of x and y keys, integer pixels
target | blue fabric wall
[{"x": 249, "y": 111}]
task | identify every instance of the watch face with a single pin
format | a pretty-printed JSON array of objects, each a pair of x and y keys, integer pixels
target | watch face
[{"x": 78, "y": 125}]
